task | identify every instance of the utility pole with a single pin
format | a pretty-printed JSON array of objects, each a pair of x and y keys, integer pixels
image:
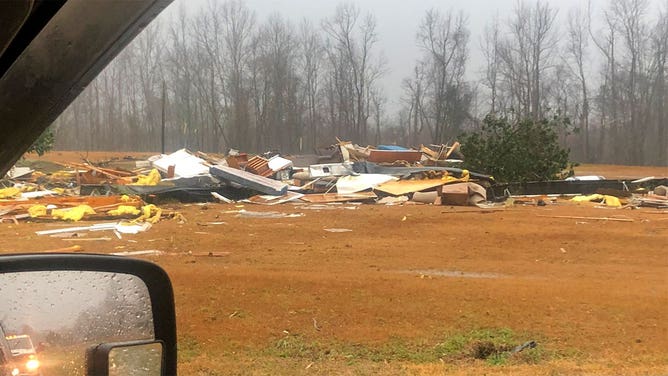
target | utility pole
[{"x": 164, "y": 94}]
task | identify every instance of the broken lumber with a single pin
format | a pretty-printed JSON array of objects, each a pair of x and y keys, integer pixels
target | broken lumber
[{"x": 336, "y": 197}]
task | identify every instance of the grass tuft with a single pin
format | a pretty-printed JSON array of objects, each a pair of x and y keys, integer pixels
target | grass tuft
[
  {"x": 188, "y": 348},
  {"x": 493, "y": 346}
]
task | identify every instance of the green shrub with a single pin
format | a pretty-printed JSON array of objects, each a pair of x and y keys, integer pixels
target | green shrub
[
  {"x": 43, "y": 144},
  {"x": 518, "y": 151}
]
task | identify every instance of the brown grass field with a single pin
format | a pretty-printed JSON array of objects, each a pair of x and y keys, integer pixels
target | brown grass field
[{"x": 417, "y": 290}]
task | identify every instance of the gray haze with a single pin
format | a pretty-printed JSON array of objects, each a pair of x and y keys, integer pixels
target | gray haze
[
  {"x": 398, "y": 22},
  {"x": 235, "y": 74}
]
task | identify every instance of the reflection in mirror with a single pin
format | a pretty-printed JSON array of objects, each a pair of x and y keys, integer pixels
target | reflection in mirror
[
  {"x": 50, "y": 318},
  {"x": 136, "y": 360}
]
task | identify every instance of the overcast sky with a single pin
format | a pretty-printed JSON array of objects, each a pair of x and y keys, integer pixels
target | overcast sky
[{"x": 397, "y": 22}]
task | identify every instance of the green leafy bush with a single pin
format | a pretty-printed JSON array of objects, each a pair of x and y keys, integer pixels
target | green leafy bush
[
  {"x": 517, "y": 151},
  {"x": 43, "y": 144}
]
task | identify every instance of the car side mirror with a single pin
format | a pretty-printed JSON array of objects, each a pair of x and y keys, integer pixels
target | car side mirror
[
  {"x": 87, "y": 315},
  {"x": 126, "y": 358}
]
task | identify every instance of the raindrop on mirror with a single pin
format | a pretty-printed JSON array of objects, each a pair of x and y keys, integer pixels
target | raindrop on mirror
[{"x": 63, "y": 313}]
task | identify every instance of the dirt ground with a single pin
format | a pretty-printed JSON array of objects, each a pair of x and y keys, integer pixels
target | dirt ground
[{"x": 285, "y": 296}]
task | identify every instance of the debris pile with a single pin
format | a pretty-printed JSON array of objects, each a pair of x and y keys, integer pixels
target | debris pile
[{"x": 129, "y": 189}]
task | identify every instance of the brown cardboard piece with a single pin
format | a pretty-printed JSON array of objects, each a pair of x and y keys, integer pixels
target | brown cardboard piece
[{"x": 463, "y": 194}]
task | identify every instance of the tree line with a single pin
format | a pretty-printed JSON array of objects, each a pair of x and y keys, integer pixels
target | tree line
[{"x": 220, "y": 79}]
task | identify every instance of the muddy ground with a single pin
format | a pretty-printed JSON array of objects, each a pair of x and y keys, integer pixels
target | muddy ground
[{"x": 411, "y": 289}]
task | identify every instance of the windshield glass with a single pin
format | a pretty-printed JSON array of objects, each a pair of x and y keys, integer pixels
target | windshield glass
[{"x": 360, "y": 186}]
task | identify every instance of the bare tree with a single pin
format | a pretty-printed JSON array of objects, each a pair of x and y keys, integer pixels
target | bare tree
[
  {"x": 310, "y": 65},
  {"x": 576, "y": 48},
  {"x": 490, "y": 46},
  {"x": 412, "y": 116},
  {"x": 180, "y": 71},
  {"x": 658, "y": 69},
  {"x": 378, "y": 101},
  {"x": 354, "y": 68},
  {"x": 607, "y": 97},
  {"x": 279, "y": 120},
  {"x": 444, "y": 40},
  {"x": 209, "y": 73},
  {"x": 527, "y": 56},
  {"x": 630, "y": 22},
  {"x": 235, "y": 82},
  {"x": 237, "y": 33}
]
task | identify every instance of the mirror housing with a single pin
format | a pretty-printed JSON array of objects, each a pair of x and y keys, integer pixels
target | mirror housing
[
  {"x": 126, "y": 358},
  {"x": 155, "y": 278}
]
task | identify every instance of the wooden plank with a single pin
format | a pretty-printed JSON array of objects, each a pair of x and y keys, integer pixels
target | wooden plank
[
  {"x": 452, "y": 148},
  {"x": 74, "y": 248},
  {"x": 335, "y": 197},
  {"x": 402, "y": 187},
  {"x": 275, "y": 200},
  {"x": 430, "y": 153}
]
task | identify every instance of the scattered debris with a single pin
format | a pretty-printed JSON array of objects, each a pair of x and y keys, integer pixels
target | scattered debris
[
  {"x": 334, "y": 169},
  {"x": 315, "y": 324},
  {"x": 131, "y": 190},
  {"x": 277, "y": 163},
  {"x": 209, "y": 254},
  {"x": 362, "y": 182},
  {"x": 588, "y": 218},
  {"x": 222, "y": 198},
  {"x": 390, "y": 201},
  {"x": 338, "y": 230},
  {"x": 651, "y": 201},
  {"x": 131, "y": 228},
  {"x": 453, "y": 274},
  {"x": 463, "y": 194},
  {"x": 329, "y": 206},
  {"x": 644, "y": 180},
  {"x": 180, "y": 164},
  {"x": 86, "y": 239},
  {"x": 19, "y": 172},
  {"x": 249, "y": 180},
  {"x": 427, "y": 197},
  {"x": 603, "y": 199},
  {"x": 74, "y": 248},
  {"x": 390, "y": 156},
  {"x": 274, "y": 200},
  {"x": 252, "y": 214},
  {"x": 524, "y": 346},
  {"x": 335, "y": 197},
  {"x": 661, "y": 190},
  {"x": 120, "y": 227},
  {"x": 150, "y": 252},
  {"x": 402, "y": 187},
  {"x": 585, "y": 178},
  {"x": 95, "y": 227}
]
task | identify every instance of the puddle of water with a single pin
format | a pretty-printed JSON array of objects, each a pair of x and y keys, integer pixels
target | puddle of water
[{"x": 453, "y": 273}]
